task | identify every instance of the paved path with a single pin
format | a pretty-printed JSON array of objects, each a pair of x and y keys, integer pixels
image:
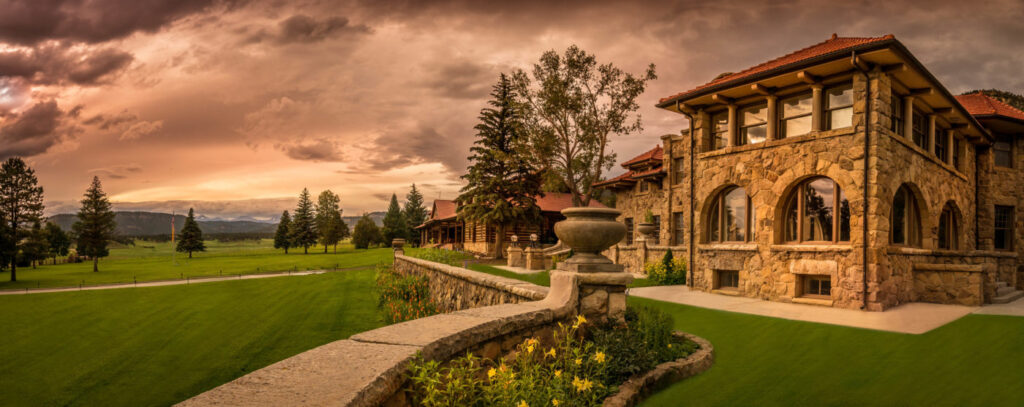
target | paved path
[
  {"x": 174, "y": 282},
  {"x": 912, "y": 318}
]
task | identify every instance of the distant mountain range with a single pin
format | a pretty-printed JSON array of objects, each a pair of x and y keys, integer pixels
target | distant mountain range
[{"x": 151, "y": 223}]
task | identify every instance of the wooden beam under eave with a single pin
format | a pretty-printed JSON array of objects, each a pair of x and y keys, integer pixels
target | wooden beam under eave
[
  {"x": 808, "y": 77},
  {"x": 956, "y": 126},
  {"x": 764, "y": 90},
  {"x": 859, "y": 63},
  {"x": 943, "y": 110},
  {"x": 718, "y": 97},
  {"x": 895, "y": 68},
  {"x": 921, "y": 92},
  {"x": 685, "y": 108}
]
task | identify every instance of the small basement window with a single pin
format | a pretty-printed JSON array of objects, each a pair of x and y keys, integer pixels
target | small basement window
[
  {"x": 728, "y": 279},
  {"x": 817, "y": 287}
]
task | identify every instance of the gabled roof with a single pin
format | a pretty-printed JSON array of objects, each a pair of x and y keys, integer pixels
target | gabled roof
[
  {"x": 654, "y": 154},
  {"x": 443, "y": 210},
  {"x": 980, "y": 104},
  {"x": 832, "y": 46},
  {"x": 556, "y": 201}
]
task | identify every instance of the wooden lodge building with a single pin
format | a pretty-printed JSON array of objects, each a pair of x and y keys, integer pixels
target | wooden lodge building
[{"x": 444, "y": 229}]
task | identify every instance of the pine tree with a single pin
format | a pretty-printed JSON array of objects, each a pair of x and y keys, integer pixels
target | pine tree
[
  {"x": 95, "y": 225},
  {"x": 415, "y": 214},
  {"x": 191, "y": 236},
  {"x": 35, "y": 247},
  {"x": 281, "y": 238},
  {"x": 395, "y": 226},
  {"x": 303, "y": 228},
  {"x": 21, "y": 206},
  {"x": 502, "y": 184},
  {"x": 59, "y": 241},
  {"x": 328, "y": 219},
  {"x": 365, "y": 233}
]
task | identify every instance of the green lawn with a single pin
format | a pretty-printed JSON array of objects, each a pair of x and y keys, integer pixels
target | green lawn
[
  {"x": 161, "y": 345},
  {"x": 147, "y": 261},
  {"x": 977, "y": 360}
]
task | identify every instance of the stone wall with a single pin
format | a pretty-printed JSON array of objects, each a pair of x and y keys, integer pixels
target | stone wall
[
  {"x": 456, "y": 288},
  {"x": 635, "y": 257}
]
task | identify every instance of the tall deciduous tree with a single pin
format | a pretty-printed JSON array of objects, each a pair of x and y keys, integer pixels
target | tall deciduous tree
[
  {"x": 365, "y": 233},
  {"x": 191, "y": 238},
  {"x": 328, "y": 219},
  {"x": 415, "y": 214},
  {"x": 21, "y": 206},
  {"x": 572, "y": 106},
  {"x": 395, "y": 226},
  {"x": 303, "y": 227},
  {"x": 35, "y": 247},
  {"x": 60, "y": 242},
  {"x": 282, "y": 240},
  {"x": 502, "y": 183},
  {"x": 95, "y": 225}
]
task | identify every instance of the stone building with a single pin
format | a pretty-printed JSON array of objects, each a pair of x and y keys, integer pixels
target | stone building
[
  {"x": 444, "y": 229},
  {"x": 843, "y": 174}
]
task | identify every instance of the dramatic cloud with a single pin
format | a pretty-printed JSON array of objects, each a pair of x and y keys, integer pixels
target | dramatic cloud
[
  {"x": 316, "y": 151},
  {"x": 462, "y": 80},
  {"x": 117, "y": 171},
  {"x": 55, "y": 63},
  {"x": 31, "y": 132}
]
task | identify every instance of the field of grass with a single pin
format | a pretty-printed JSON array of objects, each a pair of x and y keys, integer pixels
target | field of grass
[
  {"x": 148, "y": 261},
  {"x": 977, "y": 360},
  {"x": 160, "y": 345}
]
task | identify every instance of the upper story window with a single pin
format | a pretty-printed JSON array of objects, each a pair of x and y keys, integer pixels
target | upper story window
[
  {"x": 719, "y": 130},
  {"x": 629, "y": 230},
  {"x": 644, "y": 186},
  {"x": 941, "y": 144},
  {"x": 949, "y": 230},
  {"x": 753, "y": 124},
  {"x": 677, "y": 170},
  {"x": 898, "y": 115},
  {"x": 1003, "y": 151},
  {"x": 955, "y": 152},
  {"x": 817, "y": 211},
  {"x": 839, "y": 106},
  {"x": 906, "y": 219},
  {"x": 1003, "y": 227},
  {"x": 920, "y": 129},
  {"x": 795, "y": 115},
  {"x": 731, "y": 217},
  {"x": 657, "y": 229},
  {"x": 679, "y": 229}
]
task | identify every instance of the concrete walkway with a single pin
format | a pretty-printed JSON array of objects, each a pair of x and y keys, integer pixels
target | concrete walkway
[
  {"x": 913, "y": 318},
  {"x": 1015, "y": 308},
  {"x": 173, "y": 282}
]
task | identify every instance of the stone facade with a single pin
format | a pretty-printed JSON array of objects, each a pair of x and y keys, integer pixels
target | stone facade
[{"x": 869, "y": 161}]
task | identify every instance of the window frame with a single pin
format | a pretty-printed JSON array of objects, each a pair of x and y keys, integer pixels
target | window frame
[
  {"x": 898, "y": 115},
  {"x": 1010, "y": 219},
  {"x": 629, "y": 230},
  {"x": 827, "y": 109},
  {"x": 809, "y": 280},
  {"x": 948, "y": 230},
  {"x": 716, "y": 134},
  {"x": 799, "y": 195},
  {"x": 782, "y": 118},
  {"x": 718, "y": 219},
  {"x": 941, "y": 138},
  {"x": 919, "y": 115},
  {"x": 657, "y": 229},
  {"x": 1008, "y": 141},
  {"x": 679, "y": 233},
  {"x": 913, "y": 229},
  {"x": 743, "y": 127},
  {"x": 734, "y": 279},
  {"x": 678, "y": 166},
  {"x": 954, "y": 152}
]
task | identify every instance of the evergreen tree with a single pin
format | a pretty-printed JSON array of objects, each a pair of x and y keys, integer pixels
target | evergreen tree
[
  {"x": 21, "y": 206},
  {"x": 328, "y": 219},
  {"x": 191, "y": 236},
  {"x": 365, "y": 233},
  {"x": 502, "y": 184},
  {"x": 59, "y": 241},
  {"x": 395, "y": 226},
  {"x": 5, "y": 258},
  {"x": 415, "y": 214},
  {"x": 95, "y": 225},
  {"x": 303, "y": 228},
  {"x": 36, "y": 247},
  {"x": 341, "y": 229},
  {"x": 281, "y": 238}
]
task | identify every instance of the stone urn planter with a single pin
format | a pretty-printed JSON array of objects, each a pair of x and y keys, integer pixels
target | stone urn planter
[
  {"x": 645, "y": 229},
  {"x": 588, "y": 232}
]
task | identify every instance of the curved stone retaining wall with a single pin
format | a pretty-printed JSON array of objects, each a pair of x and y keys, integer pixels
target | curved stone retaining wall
[{"x": 456, "y": 288}]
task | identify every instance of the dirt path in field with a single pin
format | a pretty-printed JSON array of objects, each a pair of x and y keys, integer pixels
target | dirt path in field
[{"x": 189, "y": 280}]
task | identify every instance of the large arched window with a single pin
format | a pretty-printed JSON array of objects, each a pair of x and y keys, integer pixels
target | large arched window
[
  {"x": 731, "y": 217},
  {"x": 949, "y": 228},
  {"x": 817, "y": 211},
  {"x": 906, "y": 219}
]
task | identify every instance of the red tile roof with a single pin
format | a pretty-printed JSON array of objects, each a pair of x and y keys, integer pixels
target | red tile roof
[
  {"x": 654, "y": 154},
  {"x": 834, "y": 45},
  {"x": 556, "y": 201},
  {"x": 980, "y": 104},
  {"x": 443, "y": 209},
  {"x": 659, "y": 170}
]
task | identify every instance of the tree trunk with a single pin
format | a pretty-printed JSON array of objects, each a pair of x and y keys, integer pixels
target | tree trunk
[
  {"x": 190, "y": 254},
  {"x": 325, "y": 248},
  {"x": 286, "y": 250},
  {"x": 335, "y": 248},
  {"x": 305, "y": 249},
  {"x": 14, "y": 270},
  {"x": 95, "y": 264},
  {"x": 499, "y": 241}
]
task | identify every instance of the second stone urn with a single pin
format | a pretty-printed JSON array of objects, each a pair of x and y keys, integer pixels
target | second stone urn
[{"x": 589, "y": 231}]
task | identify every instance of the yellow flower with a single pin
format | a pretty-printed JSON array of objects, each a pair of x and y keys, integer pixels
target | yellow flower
[
  {"x": 599, "y": 357},
  {"x": 532, "y": 341},
  {"x": 580, "y": 320},
  {"x": 582, "y": 384},
  {"x": 512, "y": 376},
  {"x": 555, "y": 402},
  {"x": 558, "y": 373},
  {"x": 579, "y": 361},
  {"x": 529, "y": 349},
  {"x": 670, "y": 346},
  {"x": 491, "y": 373},
  {"x": 502, "y": 367},
  {"x": 551, "y": 352},
  {"x": 522, "y": 403}
]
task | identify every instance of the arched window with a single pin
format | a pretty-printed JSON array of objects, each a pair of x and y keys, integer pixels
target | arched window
[
  {"x": 906, "y": 219},
  {"x": 949, "y": 229},
  {"x": 817, "y": 211},
  {"x": 731, "y": 217}
]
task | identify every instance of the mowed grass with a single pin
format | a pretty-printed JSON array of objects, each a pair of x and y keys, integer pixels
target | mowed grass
[
  {"x": 149, "y": 261},
  {"x": 160, "y": 345},
  {"x": 977, "y": 360}
]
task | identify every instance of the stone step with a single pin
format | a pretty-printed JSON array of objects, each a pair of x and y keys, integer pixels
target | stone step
[
  {"x": 1013, "y": 296},
  {"x": 1001, "y": 291},
  {"x": 1001, "y": 284}
]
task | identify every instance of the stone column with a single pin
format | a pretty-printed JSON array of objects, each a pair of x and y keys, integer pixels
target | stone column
[
  {"x": 908, "y": 117},
  {"x": 773, "y": 120},
  {"x": 597, "y": 285},
  {"x": 932, "y": 134},
  {"x": 816, "y": 109},
  {"x": 534, "y": 258},
  {"x": 399, "y": 246},
  {"x": 733, "y": 132},
  {"x": 515, "y": 257}
]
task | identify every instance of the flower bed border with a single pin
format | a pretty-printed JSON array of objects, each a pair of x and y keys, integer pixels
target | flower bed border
[{"x": 638, "y": 387}]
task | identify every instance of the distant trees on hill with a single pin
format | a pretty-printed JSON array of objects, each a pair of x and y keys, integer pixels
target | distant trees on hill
[
  {"x": 21, "y": 209},
  {"x": 59, "y": 241},
  {"x": 1009, "y": 98},
  {"x": 191, "y": 237},
  {"x": 95, "y": 226}
]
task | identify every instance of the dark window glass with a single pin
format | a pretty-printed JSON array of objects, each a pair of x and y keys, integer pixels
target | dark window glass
[
  {"x": 657, "y": 229},
  {"x": 679, "y": 234},
  {"x": 906, "y": 221},
  {"x": 792, "y": 219},
  {"x": 1003, "y": 150},
  {"x": 810, "y": 213},
  {"x": 819, "y": 210},
  {"x": 719, "y": 130},
  {"x": 898, "y": 117},
  {"x": 795, "y": 115},
  {"x": 753, "y": 122},
  {"x": 1003, "y": 239},
  {"x": 839, "y": 106},
  {"x": 920, "y": 129},
  {"x": 948, "y": 229},
  {"x": 728, "y": 279},
  {"x": 714, "y": 222},
  {"x": 644, "y": 186},
  {"x": 956, "y": 153},
  {"x": 941, "y": 144},
  {"x": 629, "y": 231},
  {"x": 730, "y": 217},
  {"x": 817, "y": 286},
  {"x": 678, "y": 166}
]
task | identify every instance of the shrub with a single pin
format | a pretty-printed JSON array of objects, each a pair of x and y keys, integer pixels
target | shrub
[
  {"x": 449, "y": 257},
  {"x": 668, "y": 271},
  {"x": 644, "y": 342},
  {"x": 403, "y": 297}
]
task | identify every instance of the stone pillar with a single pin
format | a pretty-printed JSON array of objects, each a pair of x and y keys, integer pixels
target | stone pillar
[
  {"x": 773, "y": 120},
  {"x": 733, "y": 132},
  {"x": 399, "y": 246},
  {"x": 534, "y": 258},
  {"x": 515, "y": 257},
  {"x": 908, "y": 117},
  {"x": 598, "y": 285},
  {"x": 932, "y": 134},
  {"x": 816, "y": 108}
]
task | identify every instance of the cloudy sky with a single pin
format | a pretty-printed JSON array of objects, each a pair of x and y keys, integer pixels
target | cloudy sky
[{"x": 234, "y": 106}]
